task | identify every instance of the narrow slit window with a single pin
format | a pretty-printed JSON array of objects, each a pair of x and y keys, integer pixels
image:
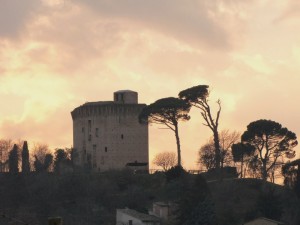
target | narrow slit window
[
  {"x": 89, "y": 125},
  {"x": 97, "y": 132},
  {"x": 122, "y": 136},
  {"x": 105, "y": 149}
]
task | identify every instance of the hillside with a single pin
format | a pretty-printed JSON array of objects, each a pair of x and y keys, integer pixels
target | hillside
[{"x": 93, "y": 198}]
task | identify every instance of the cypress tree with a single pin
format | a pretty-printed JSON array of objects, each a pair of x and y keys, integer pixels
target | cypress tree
[
  {"x": 13, "y": 160},
  {"x": 25, "y": 158}
]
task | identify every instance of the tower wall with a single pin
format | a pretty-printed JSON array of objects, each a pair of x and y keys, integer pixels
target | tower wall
[
  {"x": 108, "y": 135},
  {"x": 126, "y": 97}
]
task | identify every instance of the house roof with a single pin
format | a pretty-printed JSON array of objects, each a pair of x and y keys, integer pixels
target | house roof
[
  {"x": 162, "y": 204},
  {"x": 265, "y": 219},
  {"x": 141, "y": 216}
]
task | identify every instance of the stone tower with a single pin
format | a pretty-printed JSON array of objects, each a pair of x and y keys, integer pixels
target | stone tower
[{"x": 108, "y": 135}]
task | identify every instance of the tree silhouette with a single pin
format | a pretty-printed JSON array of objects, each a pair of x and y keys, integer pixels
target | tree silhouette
[
  {"x": 45, "y": 165},
  {"x": 13, "y": 160},
  {"x": 195, "y": 205},
  {"x": 291, "y": 173},
  {"x": 5, "y": 147},
  {"x": 207, "y": 153},
  {"x": 61, "y": 159},
  {"x": 25, "y": 158},
  {"x": 167, "y": 111},
  {"x": 197, "y": 96},
  {"x": 271, "y": 141},
  {"x": 241, "y": 153}
]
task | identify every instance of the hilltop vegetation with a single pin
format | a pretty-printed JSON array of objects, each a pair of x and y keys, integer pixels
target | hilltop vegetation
[{"x": 93, "y": 198}]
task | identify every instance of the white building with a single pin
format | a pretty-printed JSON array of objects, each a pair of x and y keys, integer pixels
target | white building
[
  {"x": 108, "y": 135},
  {"x": 132, "y": 217},
  {"x": 161, "y": 210}
]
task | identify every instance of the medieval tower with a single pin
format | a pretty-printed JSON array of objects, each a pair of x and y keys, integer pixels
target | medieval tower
[{"x": 108, "y": 135}]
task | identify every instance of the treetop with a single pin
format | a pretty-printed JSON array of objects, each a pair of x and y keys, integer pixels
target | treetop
[
  {"x": 195, "y": 94},
  {"x": 268, "y": 128},
  {"x": 168, "y": 108}
]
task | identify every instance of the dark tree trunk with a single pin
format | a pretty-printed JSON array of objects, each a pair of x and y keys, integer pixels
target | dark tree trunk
[
  {"x": 178, "y": 145},
  {"x": 217, "y": 149},
  {"x": 264, "y": 170}
]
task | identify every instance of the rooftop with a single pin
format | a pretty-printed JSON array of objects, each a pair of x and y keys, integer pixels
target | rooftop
[
  {"x": 121, "y": 91},
  {"x": 141, "y": 216}
]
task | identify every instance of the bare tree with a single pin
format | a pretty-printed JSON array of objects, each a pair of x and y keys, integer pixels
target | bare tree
[
  {"x": 5, "y": 146},
  {"x": 39, "y": 154},
  {"x": 40, "y": 150},
  {"x": 227, "y": 139},
  {"x": 166, "y": 160},
  {"x": 207, "y": 152}
]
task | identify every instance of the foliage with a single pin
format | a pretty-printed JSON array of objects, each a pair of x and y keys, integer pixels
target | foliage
[
  {"x": 271, "y": 141},
  {"x": 62, "y": 160},
  {"x": 13, "y": 160},
  {"x": 167, "y": 111},
  {"x": 207, "y": 156},
  {"x": 195, "y": 205},
  {"x": 166, "y": 160},
  {"x": 44, "y": 166},
  {"x": 25, "y": 158},
  {"x": 226, "y": 172},
  {"x": 269, "y": 204},
  {"x": 291, "y": 173},
  {"x": 197, "y": 96},
  {"x": 241, "y": 153},
  {"x": 175, "y": 172}
]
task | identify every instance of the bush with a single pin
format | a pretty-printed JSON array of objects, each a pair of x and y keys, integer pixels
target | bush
[{"x": 174, "y": 173}]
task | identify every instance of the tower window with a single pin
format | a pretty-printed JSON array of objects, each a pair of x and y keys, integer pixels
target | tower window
[
  {"x": 82, "y": 130},
  {"x": 122, "y": 136},
  {"x": 105, "y": 149},
  {"x": 89, "y": 125},
  {"x": 90, "y": 137},
  {"x": 97, "y": 132}
]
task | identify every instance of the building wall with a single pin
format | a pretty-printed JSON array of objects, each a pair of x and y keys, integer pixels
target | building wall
[
  {"x": 124, "y": 218},
  {"x": 161, "y": 211},
  {"x": 109, "y": 135}
]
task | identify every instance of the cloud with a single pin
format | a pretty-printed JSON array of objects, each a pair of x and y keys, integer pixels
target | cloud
[
  {"x": 194, "y": 22},
  {"x": 59, "y": 54},
  {"x": 13, "y": 16}
]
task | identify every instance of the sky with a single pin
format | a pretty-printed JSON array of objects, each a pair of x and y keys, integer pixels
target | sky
[{"x": 58, "y": 54}]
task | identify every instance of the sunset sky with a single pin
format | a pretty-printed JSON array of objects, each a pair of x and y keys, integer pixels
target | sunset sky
[{"x": 56, "y": 55}]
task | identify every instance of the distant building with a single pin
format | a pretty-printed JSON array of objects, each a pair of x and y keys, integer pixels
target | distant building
[
  {"x": 263, "y": 221},
  {"x": 161, "y": 210},
  {"x": 108, "y": 135},
  {"x": 132, "y": 217}
]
